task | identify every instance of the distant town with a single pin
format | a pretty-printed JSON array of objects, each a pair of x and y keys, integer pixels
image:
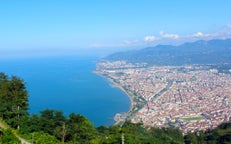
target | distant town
[{"x": 190, "y": 97}]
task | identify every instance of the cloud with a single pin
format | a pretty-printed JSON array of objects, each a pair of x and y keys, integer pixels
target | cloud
[
  {"x": 198, "y": 34},
  {"x": 169, "y": 36},
  {"x": 150, "y": 38}
]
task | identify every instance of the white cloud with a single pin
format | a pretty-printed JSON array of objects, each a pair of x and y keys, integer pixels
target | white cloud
[
  {"x": 198, "y": 34},
  {"x": 150, "y": 38},
  {"x": 169, "y": 36}
]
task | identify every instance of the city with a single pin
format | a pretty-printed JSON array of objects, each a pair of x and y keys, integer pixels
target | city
[{"x": 191, "y": 98}]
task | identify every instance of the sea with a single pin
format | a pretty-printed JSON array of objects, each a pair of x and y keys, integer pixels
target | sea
[{"x": 68, "y": 84}]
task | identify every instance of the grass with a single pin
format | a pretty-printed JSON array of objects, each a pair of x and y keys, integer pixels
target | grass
[
  {"x": 3, "y": 124},
  {"x": 192, "y": 118}
]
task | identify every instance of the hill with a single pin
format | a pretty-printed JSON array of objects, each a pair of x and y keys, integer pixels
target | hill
[{"x": 199, "y": 52}]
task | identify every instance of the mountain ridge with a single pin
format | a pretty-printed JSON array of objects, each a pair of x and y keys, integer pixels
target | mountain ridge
[{"x": 214, "y": 51}]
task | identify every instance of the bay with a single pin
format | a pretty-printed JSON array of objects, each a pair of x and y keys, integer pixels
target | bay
[{"x": 68, "y": 84}]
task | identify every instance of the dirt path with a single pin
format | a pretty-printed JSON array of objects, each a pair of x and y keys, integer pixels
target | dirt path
[
  {"x": 23, "y": 141},
  {"x": 4, "y": 126}
]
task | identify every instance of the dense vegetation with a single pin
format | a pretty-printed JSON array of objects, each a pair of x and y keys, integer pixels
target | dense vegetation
[
  {"x": 13, "y": 100},
  {"x": 199, "y": 52},
  {"x": 7, "y": 137},
  {"x": 220, "y": 135},
  {"x": 53, "y": 127}
]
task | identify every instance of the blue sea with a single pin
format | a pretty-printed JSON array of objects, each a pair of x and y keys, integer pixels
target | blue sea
[{"x": 68, "y": 84}]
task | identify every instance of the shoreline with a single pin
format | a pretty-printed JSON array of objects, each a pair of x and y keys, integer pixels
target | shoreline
[
  {"x": 122, "y": 89},
  {"x": 114, "y": 84}
]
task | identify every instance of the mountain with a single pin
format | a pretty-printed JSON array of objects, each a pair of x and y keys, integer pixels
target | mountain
[{"x": 199, "y": 52}]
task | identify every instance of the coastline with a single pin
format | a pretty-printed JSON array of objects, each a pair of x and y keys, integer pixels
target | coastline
[
  {"x": 114, "y": 84},
  {"x": 121, "y": 88}
]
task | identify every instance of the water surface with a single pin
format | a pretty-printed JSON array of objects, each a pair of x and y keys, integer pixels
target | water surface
[{"x": 68, "y": 84}]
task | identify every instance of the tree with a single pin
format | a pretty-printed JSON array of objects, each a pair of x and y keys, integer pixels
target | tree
[
  {"x": 31, "y": 124},
  {"x": 61, "y": 132},
  {"x": 190, "y": 138},
  {"x": 44, "y": 138},
  {"x": 80, "y": 129},
  {"x": 8, "y": 137},
  {"x": 4, "y": 92},
  {"x": 47, "y": 121},
  {"x": 19, "y": 97},
  {"x": 13, "y": 99}
]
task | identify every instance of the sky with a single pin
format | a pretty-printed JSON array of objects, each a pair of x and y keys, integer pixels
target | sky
[{"x": 59, "y": 27}]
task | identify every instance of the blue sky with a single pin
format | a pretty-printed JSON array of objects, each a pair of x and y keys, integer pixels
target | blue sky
[{"x": 50, "y": 27}]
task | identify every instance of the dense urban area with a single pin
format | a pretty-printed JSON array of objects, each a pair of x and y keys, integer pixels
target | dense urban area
[{"x": 191, "y": 97}]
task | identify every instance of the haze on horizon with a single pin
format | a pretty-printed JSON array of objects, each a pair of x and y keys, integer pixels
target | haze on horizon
[{"x": 56, "y": 27}]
